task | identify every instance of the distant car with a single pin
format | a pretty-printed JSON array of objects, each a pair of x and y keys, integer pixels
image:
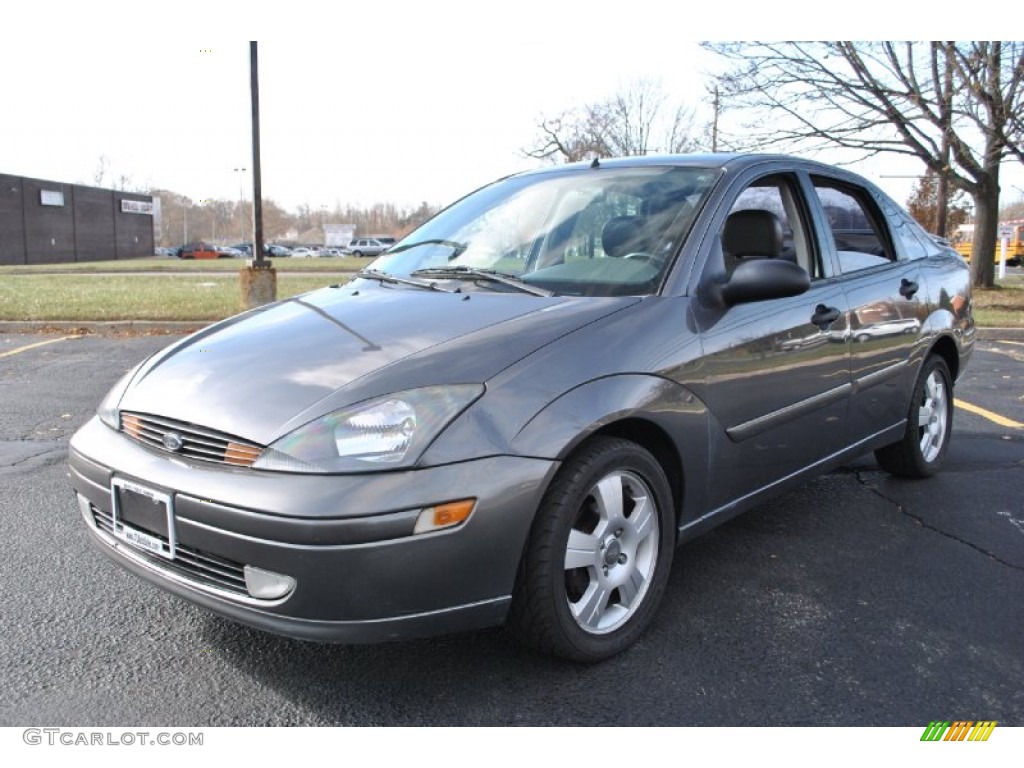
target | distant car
[
  {"x": 231, "y": 252},
  {"x": 304, "y": 253},
  {"x": 198, "y": 250},
  {"x": 332, "y": 252},
  {"x": 165, "y": 252},
  {"x": 277, "y": 250},
  {"x": 519, "y": 411},
  {"x": 245, "y": 248},
  {"x": 366, "y": 246}
]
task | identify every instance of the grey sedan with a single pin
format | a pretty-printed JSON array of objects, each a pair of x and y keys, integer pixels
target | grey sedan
[{"x": 518, "y": 412}]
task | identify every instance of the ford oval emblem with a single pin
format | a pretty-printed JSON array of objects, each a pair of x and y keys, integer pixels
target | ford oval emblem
[{"x": 172, "y": 441}]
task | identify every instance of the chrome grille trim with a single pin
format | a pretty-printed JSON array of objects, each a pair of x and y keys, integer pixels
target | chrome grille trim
[{"x": 198, "y": 443}]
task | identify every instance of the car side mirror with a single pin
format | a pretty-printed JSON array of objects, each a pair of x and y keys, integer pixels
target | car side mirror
[{"x": 763, "y": 279}]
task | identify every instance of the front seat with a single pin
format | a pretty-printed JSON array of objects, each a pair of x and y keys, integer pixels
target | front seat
[{"x": 623, "y": 235}]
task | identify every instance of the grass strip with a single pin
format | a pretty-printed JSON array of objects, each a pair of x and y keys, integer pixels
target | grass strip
[{"x": 133, "y": 297}]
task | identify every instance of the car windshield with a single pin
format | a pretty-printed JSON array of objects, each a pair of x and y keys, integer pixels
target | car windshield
[{"x": 586, "y": 232}]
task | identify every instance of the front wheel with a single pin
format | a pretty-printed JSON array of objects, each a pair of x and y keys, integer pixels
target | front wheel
[
  {"x": 929, "y": 425},
  {"x": 598, "y": 555}
]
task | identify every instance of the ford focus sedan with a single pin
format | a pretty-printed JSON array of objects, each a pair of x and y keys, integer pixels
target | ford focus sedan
[{"x": 519, "y": 411}]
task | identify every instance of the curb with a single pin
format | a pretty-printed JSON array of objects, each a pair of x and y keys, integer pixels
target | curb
[
  {"x": 1000, "y": 334},
  {"x": 104, "y": 327}
]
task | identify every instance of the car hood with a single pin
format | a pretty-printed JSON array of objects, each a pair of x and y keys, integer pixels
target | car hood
[{"x": 261, "y": 374}]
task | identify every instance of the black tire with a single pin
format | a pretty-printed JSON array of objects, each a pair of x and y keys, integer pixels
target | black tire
[
  {"x": 357, "y": 254},
  {"x": 929, "y": 425},
  {"x": 613, "y": 498}
]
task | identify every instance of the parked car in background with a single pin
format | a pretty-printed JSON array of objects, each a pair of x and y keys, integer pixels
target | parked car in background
[
  {"x": 171, "y": 252},
  {"x": 332, "y": 252},
  {"x": 231, "y": 252},
  {"x": 302, "y": 252},
  {"x": 276, "y": 250},
  {"x": 199, "y": 250},
  {"x": 366, "y": 246},
  {"x": 518, "y": 412}
]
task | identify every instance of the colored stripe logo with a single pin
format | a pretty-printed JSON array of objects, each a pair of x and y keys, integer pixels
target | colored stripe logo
[{"x": 958, "y": 730}]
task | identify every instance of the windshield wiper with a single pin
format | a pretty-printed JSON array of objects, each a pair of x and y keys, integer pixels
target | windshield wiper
[
  {"x": 384, "y": 277},
  {"x": 457, "y": 247},
  {"x": 473, "y": 273}
]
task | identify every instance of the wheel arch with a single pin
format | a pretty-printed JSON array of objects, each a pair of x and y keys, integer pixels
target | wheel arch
[
  {"x": 945, "y": 348},
  {"x": 658, "y": 414}
]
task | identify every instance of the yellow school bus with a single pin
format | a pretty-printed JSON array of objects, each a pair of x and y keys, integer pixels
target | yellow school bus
[{"x": 1014, "y": 247}]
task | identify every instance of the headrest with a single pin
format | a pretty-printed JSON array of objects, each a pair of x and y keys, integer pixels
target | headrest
[
  {"x": 752, "y": 233},
  {"x": 622, "y": 235}
]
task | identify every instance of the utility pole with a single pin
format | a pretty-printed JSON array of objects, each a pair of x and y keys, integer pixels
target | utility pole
[
  {"x": 241, "y": 201},
  {"x": 258, "y": 280}
]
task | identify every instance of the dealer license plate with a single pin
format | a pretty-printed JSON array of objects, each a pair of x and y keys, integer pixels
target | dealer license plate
[{"x": 131, "y": 504}]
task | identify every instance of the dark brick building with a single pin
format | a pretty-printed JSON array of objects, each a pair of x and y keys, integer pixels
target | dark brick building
[{"x": 45, "y": 222}]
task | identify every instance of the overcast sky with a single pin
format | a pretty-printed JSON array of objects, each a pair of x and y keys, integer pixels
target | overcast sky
[{"x": 381, "y": 101}]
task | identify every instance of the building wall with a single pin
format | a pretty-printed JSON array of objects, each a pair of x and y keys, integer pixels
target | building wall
[
  {"x": 12, "y": 221},
  {"x": 90, "y": 225}
]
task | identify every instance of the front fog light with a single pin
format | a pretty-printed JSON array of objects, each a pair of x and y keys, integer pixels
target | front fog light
[
  {"x": 267, "y": 585},
  {"x": 444, "y": 515}
]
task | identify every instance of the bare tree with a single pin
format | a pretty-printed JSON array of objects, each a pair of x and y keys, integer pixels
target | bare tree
[
  {"x": 956, "y": 106},
  {"x": 102, "y": 166},
  {"x": 637, "y": 121}
]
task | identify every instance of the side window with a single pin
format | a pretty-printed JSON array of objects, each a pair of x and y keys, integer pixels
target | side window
[
  {"x": 766, "y": 221},
  {"x": 856, "y": 226}
]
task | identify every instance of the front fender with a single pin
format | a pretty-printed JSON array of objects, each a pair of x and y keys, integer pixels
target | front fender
[{"x": 629, "y": 405}]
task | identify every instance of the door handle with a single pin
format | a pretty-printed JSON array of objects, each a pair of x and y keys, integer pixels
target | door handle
[
  {"x": 824, "y": 316},
  {"x": 908, "y": 288}
]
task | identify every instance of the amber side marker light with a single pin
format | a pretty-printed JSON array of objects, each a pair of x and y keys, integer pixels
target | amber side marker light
[{"x": 444, "y": 515}]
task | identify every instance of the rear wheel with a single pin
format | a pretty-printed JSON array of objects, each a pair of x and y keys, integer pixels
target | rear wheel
[
  {"x": 598, "y": 555},
  {"x": 929, "y": 425}
]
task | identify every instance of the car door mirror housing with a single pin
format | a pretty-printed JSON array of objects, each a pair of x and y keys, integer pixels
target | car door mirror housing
[{"x": 762, "y": 279}]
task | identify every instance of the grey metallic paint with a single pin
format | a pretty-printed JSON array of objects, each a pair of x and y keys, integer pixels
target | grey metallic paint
[{"x": 738, "y": 403}]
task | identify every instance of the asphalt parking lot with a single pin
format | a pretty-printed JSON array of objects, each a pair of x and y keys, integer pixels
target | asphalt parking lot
[{"x": 856, "y": 600}]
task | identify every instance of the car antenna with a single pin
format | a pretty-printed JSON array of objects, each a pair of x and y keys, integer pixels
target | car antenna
[{"x": 596, "y": 163}]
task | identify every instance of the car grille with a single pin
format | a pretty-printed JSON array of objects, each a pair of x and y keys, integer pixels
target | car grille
[
  {"x": 196, "y": 442},
  {"x": 194, "y": 564}
]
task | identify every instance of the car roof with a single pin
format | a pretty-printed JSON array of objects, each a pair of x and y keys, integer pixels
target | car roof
[{"x": 732, "y": 161}]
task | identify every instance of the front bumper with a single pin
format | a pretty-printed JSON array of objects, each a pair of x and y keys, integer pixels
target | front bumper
[{"x": 360, "y": 574}]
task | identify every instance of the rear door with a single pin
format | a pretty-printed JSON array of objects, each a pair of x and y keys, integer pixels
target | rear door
[{"x": 886, "y": 296}]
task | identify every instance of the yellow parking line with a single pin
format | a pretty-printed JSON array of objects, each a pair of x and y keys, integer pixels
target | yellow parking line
[
  {"x": 33, "y": 346},
  {"x": 985, "y": 414}
]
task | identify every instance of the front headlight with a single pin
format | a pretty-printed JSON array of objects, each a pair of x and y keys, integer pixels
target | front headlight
[
  {"x": 383, "y": 433},
  {"x": 108, "y": 411}
]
